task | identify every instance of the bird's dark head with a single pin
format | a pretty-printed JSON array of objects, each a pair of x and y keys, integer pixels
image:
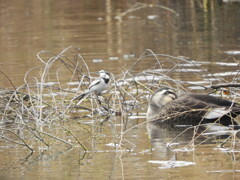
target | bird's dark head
[{"x": 162, "y": 96}]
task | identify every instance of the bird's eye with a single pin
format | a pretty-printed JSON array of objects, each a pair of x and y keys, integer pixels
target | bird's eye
[{"x": 171, "y": 93}]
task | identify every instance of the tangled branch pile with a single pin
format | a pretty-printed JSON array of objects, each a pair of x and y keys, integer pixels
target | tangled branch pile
[{"x": 41, "y": 113}]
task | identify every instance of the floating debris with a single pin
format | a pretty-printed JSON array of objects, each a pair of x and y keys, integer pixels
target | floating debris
[{"x": 172, "y": 164}]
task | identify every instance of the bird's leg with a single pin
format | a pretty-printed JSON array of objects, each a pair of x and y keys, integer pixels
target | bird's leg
[
  {"x": 98, "y": 99},
  {"x": 100, "y": 103}
]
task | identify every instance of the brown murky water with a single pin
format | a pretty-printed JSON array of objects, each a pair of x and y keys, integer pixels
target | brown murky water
[{"x": 205, "y": 31}]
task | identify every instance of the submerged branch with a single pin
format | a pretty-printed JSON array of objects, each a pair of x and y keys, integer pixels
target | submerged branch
[{"x": 224, "y": 85}]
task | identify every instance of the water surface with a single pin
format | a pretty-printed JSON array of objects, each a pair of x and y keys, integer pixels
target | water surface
[{"x": 207, "y": 32}]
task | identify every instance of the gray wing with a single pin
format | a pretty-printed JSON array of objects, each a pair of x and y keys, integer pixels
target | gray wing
[
  {"x": 193, "y": 110},
  {"x": 189, "y": 110},
  {"x": 91, "y": 89},
  {"x": 94, "y": 83}
]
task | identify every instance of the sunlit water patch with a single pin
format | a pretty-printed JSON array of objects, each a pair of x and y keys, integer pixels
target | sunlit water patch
[
  {"x": 197, "y": 82},
  {"x": 211, "y": 79},
  {"x": 189, "y": 70},
  {"x": 137, "y": 117},
  {"x": 97, "y": 60},
  {"x": 145, "y": 78},
  {"x": 113, "y": 145},
  {"x": 228, "y": 150},
  {"x": 190, "y": 65},
  {"x": 200, "y": 62},
  {"x": 56, "y": 94},
  {"x": 77, "y": 83},
  {"x": 217, "y": 132},
  {"x": 48, "y": 83},
  {"x": 183, "y": 149},
  {"x": 196, "y": 88},
  {"x": 151, "y": 17},
  {"x": 225, "y": 74},
  {"x": 223, "y": 171},
  {"x": 157, "y": 70},
  {"x": 128, "y": 56},
  {"x": 105, "y": 40},
  {"x": 113, "y": 58},
  {"x": 87, "y": 122},
  {"x": 227, "y": 64},
  {"x": 233, "y": 52}
]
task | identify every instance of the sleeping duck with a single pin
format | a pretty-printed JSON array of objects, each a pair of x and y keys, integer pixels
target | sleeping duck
[{"x": 169, "y": 108}]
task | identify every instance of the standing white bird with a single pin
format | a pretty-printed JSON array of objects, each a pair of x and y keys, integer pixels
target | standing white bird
[{"x": 97, "y": 86}]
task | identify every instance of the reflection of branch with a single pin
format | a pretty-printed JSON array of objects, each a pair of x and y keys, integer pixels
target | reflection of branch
[
  {"x": 81, "y": 144},
  {"x": 8, "y": 79},
  {"x": 180, "y": 134},
  {"x": 24, "y": 142},
  {"x": 139, "y": 6},
  {"x": 54, "y": 137}
]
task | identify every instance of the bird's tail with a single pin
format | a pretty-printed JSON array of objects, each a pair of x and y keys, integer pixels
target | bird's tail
[{"x": 79, "y": 97}]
